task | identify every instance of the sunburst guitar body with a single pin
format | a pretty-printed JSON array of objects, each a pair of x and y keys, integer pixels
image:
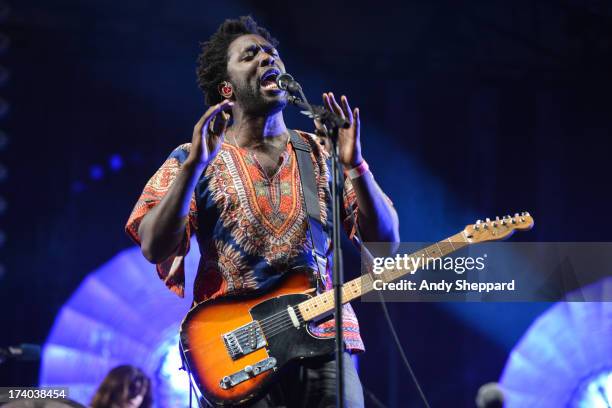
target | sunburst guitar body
[{"x": 236, "y": 347}]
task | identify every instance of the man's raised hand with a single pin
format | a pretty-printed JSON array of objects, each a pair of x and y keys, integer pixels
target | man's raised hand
[
  {"x": 208, "y": 133},
  {"x": 349, "y": 140}
]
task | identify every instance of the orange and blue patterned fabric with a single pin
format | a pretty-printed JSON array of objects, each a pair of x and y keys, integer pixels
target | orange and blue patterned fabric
[{"x": 251, "y": 228}]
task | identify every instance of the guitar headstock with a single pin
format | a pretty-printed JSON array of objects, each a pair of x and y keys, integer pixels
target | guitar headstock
[{"x": 497, "y": 229}]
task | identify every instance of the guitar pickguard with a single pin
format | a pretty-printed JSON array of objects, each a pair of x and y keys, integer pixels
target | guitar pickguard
[{"x": 285, "y": 341}]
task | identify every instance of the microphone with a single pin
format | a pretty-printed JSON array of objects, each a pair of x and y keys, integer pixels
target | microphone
[
  {"x": 287, "y": 83},
  {"x": 490, "y": 395},
  {"x": 22, "y": 352}
]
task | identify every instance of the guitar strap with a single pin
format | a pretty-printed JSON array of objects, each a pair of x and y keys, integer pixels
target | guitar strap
[{"x": 312, "y": 204}]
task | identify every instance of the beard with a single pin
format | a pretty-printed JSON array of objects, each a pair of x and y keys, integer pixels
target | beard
[{"x": 255, "y": 102}]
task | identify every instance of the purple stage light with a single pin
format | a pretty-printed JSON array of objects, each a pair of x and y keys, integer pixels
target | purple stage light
[
  {"x": 565, "y": 358},
  {"x": 96, "y": 172},
  {"x": 115, "y": 162},
  {"x": 121, "y": 314}
]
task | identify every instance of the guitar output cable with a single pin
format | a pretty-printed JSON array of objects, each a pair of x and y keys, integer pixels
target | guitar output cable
[{"x": 401, "y": 350}]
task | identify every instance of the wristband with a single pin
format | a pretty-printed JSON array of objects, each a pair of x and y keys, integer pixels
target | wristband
[{"x": 357, "y": 171}]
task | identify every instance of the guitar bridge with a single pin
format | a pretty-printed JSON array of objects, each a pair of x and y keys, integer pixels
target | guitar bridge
[
  {"x": 248, "y": 372},
  {"x": 244, "y": 340}
]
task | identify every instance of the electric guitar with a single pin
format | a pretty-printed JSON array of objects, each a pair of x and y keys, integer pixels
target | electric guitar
[{"x": 235, "y": 347}]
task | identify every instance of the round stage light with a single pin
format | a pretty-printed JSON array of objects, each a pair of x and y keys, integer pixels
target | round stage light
[
  {"x": 120, "y": 314},
  {"x": 595, "y": 391},
  {"x": 565, "y": 357}
]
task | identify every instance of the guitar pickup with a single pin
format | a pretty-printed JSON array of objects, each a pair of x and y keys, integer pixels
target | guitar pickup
[
  {"x": 244, "y": 340},
  {"x": 247, "y": 372}
]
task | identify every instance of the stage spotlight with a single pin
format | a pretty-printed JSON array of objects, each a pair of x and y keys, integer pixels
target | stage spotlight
[
  {"x": 115, "y": 162},
  {"x": 564, "y": 358},
  {"x": 172, "y": 383},
  {"x": 96, "y": 172},
  {"x": 120, "y": 314},
  {"x": 595, "y": 391}
]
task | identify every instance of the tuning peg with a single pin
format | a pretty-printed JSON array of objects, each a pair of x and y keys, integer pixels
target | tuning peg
[
  {"x": 477, "y": 225},
  {"x": 503, "y": 221},
  {"x": 516, "y": 215},
  {"x": 488, "y": 220}
]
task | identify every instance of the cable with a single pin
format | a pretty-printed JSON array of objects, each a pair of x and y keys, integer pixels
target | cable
[
  {"x": 401, "y": 350},
  {"x": 378, "y": 403}
]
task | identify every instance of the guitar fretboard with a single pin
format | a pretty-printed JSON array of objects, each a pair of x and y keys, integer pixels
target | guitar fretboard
[{"x": 324, "y": 303}]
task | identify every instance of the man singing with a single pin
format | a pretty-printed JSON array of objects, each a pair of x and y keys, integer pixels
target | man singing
[{"x": 237, "y": 187}]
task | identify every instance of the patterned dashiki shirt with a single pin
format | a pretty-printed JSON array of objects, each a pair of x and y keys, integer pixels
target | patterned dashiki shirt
[{"x": 251, "y": 229}]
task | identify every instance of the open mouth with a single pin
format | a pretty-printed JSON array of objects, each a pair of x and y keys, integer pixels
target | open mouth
[{"x": 268, "y": 79}]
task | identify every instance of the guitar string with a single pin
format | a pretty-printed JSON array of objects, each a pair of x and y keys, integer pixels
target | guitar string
[
  {"x": 282, "y": 328},
  {"x": 270, "y": 330},
  {"x": 275, "y": 323},
  {"x": 280, "y": 319},
  {"x": 275, "y": 317},
  {"x": 277, "y": 328}
]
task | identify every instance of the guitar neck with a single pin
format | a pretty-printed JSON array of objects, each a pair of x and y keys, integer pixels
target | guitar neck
[{"x": 324, "y": 303}]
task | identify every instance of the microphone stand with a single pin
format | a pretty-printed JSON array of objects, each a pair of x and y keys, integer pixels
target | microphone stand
[{"x": 331, "y": 124}]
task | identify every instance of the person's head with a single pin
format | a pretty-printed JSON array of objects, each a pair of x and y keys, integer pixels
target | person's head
[
  {"x": 240, "y": 62},
  {"x": 125, "y": 386}
]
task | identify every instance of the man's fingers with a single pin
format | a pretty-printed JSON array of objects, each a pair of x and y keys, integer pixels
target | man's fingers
[
  {"x": 214, "y": 111},
  {"x": 327, "y": 103},
  {"x": 219, "y": 122},
  {"x": 336, "y": 108},
  {"x": 357, "y": 124},
  {"x": 346, "y": 109},
  {"x": 197, "y": 128}
]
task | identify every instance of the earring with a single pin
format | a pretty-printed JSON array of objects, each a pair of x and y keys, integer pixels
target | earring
[{"x": 226, "y": 89}]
